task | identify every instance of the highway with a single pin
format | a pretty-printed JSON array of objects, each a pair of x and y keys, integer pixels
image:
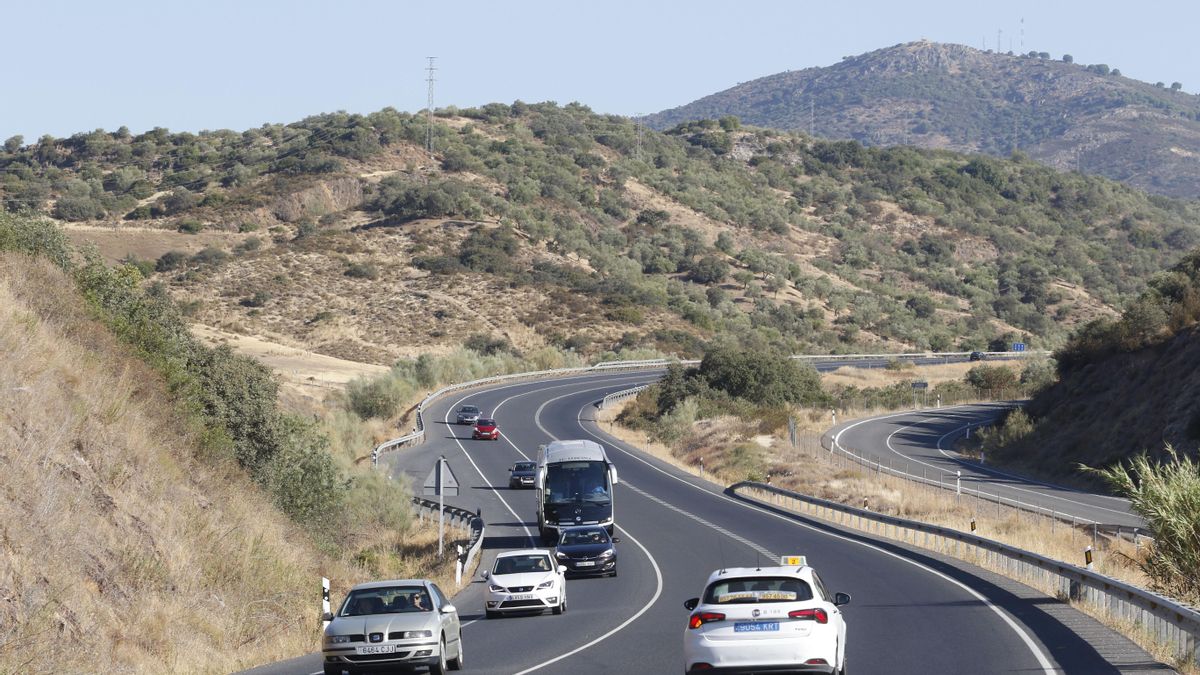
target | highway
[
  {"x": 912, "y": 612},
  {"x": 920, "y": 444}
]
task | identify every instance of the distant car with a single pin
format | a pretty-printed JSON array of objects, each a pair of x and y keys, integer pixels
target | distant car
[
  {"x": 522, "y": 474},
  {"x": 587, "y": 550},
  {"x": 976, "y": 356},
  {"x": 523, "y": 581},
  {"x": 766, "y": 619},
  {"x": 486, "y": 430},
  {"x": 390, "y": 625},
  {"x": 469, "y": 414}
]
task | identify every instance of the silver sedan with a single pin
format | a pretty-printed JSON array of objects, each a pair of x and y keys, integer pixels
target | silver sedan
[{"x": 384, "y": 625}]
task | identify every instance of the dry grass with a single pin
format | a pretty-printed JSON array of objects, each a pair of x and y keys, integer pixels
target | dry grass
[{"x": 119, "y": 550}]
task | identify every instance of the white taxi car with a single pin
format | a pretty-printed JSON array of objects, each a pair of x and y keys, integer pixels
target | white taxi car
[
  {"x": 755, "y": 619},
  {"x": 524, "y": 581}
]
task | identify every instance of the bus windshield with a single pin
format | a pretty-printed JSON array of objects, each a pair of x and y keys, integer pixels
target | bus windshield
[{"x": 577, "y": 482}]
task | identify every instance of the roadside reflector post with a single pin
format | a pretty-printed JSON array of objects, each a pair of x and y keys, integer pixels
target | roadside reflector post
[
  {"x": 702, "y": 467},
  {"x": 972, "y": 524},
  {"x": 324, "y": 602},
  {"x": 1087, "y": 557},
  {"x": 866, "y": 506},
  {"x": 458, "y": 567},
  {"x": 958, "y": 482}
]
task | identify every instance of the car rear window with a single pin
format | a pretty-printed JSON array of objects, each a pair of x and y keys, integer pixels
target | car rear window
[{"x": 753, "y": 590}]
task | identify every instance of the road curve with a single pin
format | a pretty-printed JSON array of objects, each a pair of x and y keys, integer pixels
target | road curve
[
  {"x": 919, "y": 443},
  {"x": 913, "y": 611}
]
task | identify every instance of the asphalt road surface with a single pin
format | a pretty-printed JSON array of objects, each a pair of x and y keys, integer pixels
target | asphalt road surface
[{"x": 912, "y": 611}]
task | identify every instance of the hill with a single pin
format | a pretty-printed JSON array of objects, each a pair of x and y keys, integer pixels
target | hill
[
  {"x": 122, "y": 550},
  {"x": 540, "y": 226},
  {"x": 1126, "y": 385},
  {"x": 932, "y": 95}
]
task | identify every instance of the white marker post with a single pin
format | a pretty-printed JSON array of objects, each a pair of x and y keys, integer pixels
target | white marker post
[
  {"x": 458, "y": 567},
  {"x": 958, "y": 482},
  {"x": 1087, "y": 557},
  {"x": 324, "y": 602}
]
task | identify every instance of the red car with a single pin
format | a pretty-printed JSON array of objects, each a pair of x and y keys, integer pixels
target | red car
[{"x": 485, "y": 430}]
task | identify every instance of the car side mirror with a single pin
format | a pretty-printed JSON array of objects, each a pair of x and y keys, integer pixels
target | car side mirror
[
  {"x": 483, "y": 575},
  {"x": 616, "y": 540},
  {"x": 562, "y": 569},
  {"x": 448, "y": 608},
  {"x": 841, "y": 598},
  {"x": 691, "y": 603},
  {"x": 327, "y": 616}
]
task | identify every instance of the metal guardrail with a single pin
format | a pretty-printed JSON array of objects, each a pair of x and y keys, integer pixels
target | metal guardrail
[
  {"x": 621, "y": 395},
  {"x": 1169, "y": 623},
  {"x": 418, "y": 434},
  {"x": 464, "y": 518}
]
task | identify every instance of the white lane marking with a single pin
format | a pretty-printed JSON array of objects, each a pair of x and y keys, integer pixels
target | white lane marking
[
  {"x": 643, "y": 610},
  {"x": 1042, "y": 659},
  {"x": 983, "y": 480},
  {"x": 487, "y": 483},
  {"x": 998, "y": 472},
  {"x": 837, "y": 444},
  {"x": 736, "y": 537}
]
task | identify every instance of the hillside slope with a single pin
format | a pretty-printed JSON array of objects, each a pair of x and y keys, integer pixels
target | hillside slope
[
  {"x": 121, "y": 551},
  {"x": 932, "y": 95},
  {"x": 1126, "y": 386},
  {"x": 544, "y": 226}
]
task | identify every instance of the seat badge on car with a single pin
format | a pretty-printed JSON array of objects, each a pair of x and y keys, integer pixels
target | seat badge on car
[{"x": 755, "y": 613}]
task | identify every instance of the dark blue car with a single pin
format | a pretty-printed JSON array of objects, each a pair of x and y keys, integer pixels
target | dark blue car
[{"x": 587, "y": 549}]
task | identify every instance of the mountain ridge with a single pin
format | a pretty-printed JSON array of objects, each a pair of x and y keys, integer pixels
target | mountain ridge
[{"x": 935, "y": 95}]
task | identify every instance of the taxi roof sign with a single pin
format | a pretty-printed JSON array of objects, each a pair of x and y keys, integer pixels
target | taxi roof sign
[{"x": 793, "y": 561}]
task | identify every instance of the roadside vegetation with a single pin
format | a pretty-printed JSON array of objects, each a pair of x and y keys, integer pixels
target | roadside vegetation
[{"x": 162, "y": 511}]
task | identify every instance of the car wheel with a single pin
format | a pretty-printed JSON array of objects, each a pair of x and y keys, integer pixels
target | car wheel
[
  {"x": 614, "y": 572},
  {"x": 440, "y": 668},
  {"x": 457, "y": 662},
  {"x": 562, "y": 607}
]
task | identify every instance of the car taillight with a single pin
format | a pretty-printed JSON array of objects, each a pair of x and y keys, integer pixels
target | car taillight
[
  {"x": 817, "y": 615},
  {"x": 816, "y": 662},
  {"x": 700, "y": 618}
]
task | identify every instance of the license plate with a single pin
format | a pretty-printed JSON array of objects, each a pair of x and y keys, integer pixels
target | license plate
[
  {"x": 529, "y": 596},
  {"x": 375, "y": 649},
  {"x": 755, "y": 626},
  {"x": 586, "y": 563}
]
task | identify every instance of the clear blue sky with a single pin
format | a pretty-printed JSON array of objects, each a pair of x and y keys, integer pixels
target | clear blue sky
[{"x": 187, "y": 66}]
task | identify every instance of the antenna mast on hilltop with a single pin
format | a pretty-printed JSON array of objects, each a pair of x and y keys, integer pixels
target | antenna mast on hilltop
[{"x": 429, "y": 108}]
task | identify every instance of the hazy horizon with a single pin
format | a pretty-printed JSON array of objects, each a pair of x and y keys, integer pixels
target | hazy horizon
[{"x": 237, "y": 66}]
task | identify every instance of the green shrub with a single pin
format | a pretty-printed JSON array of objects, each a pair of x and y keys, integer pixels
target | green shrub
[
  {"x": 362, "y": 271},
  {"x": 1167, "y": 496},
  {"x": 378, "y": 397},
  {"x": 171, "y": 260},
  {"x": 190, "y": 226}
]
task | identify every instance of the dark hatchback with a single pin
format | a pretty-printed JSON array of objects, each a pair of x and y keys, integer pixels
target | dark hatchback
[
  {"x": 521, "y": 475},
  {"x": 587, "y": 550}
]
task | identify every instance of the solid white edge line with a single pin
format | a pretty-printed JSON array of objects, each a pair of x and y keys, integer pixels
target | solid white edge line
[{"x": 1042, "y": 659}]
